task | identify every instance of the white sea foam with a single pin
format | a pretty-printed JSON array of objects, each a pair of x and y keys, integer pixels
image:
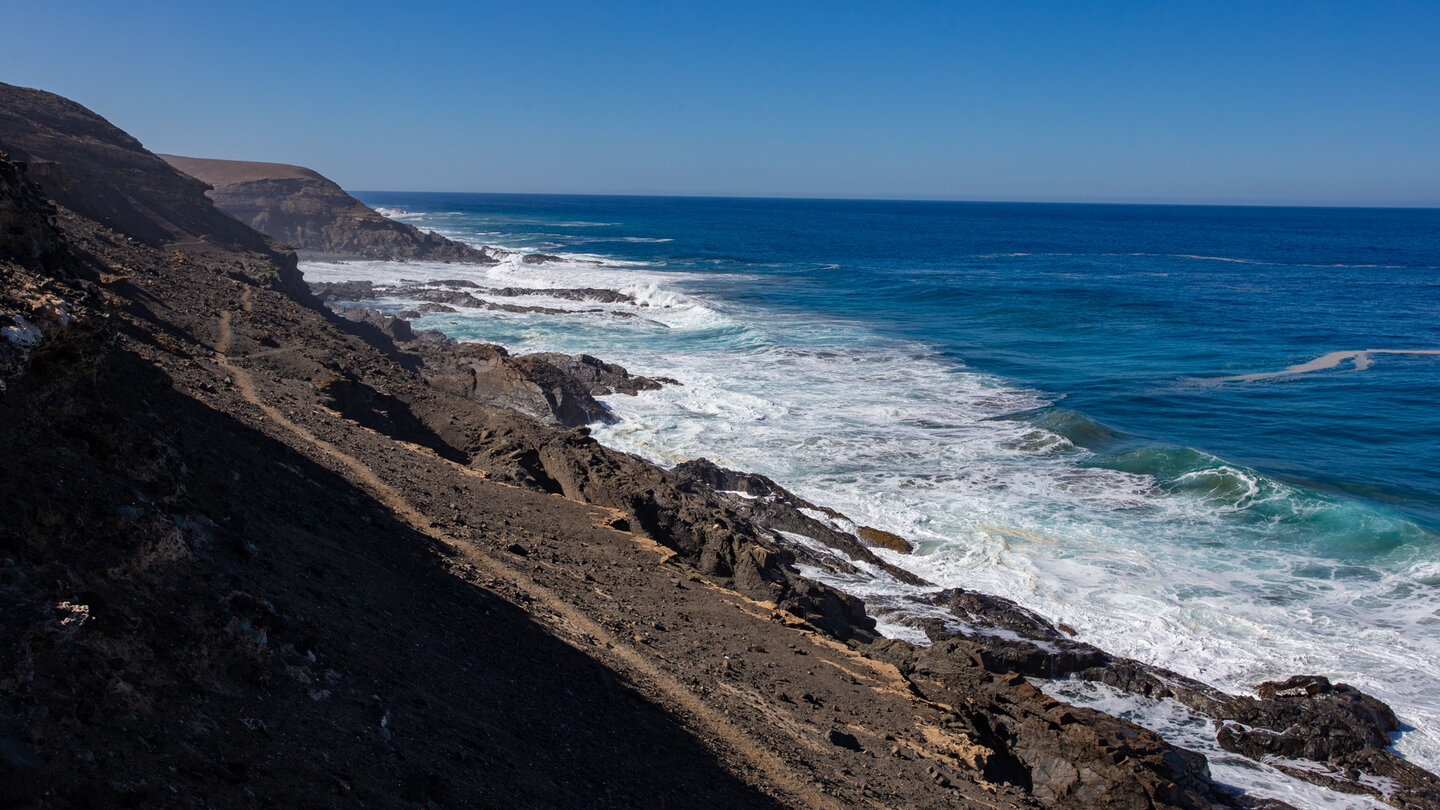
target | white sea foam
[
  {"x": 1187, "y": 729},
  {"x": 1361, "y": 359},
  {"x": 1198, "y": 574}
]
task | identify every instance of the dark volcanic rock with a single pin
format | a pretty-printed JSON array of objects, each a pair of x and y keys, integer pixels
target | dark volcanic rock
[
  {"x": 557, "y": 389},
  {"x": 1156, "y": 682},
  {"x": 1065, "y": 756},
  {"x": 1306, "y": 717},
  {"x": 1328, "y": 734},
  {"x": 1342, "y": 719},
  {"x": 1012, "y": 639},
  {"x": 460, "y": 298},
  {"x": 693, "y": 520},
  {"x": 397, "y": 329},
  {"x": 597, "y": 294},
  {"x": 300, "y": 207},
  {"x": 598, "y": 377},
  {"x": 42, "y": 305},
  {"x": 844, "y": 740},
  {"x": 771, "y": 506},
  {"x": 27, "y": 221},
  {"x": 344, "y": 290},
  {"x": 448, "y": 297},
  {"x": 488, "y": 374},
  {"x": 89, "y": 166},
  {"x": 361, "y": 403}
]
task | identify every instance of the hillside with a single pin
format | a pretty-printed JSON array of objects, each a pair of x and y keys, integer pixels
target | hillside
[{"x": 301, "y": 208}]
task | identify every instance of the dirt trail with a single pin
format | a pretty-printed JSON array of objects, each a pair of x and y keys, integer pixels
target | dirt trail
[{"x": 776, "y": 773}]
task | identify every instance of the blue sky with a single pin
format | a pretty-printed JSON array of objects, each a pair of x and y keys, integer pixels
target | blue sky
[{"x": 1248, "y": 102}]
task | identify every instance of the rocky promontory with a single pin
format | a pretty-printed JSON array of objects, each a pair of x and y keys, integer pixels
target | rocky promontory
[{"x": 302, "y": 208}]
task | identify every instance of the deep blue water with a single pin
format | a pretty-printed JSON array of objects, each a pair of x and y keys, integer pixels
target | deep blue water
[{"x": 1114, "y": 310}]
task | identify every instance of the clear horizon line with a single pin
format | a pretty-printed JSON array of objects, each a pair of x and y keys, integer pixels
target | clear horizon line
[{"x": 842, "y": 198}]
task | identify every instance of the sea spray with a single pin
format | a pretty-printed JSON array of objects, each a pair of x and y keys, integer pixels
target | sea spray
[{"x": 1030, "y": 419}]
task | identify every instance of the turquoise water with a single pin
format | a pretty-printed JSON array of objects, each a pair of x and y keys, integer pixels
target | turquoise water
[{"x": 1084, "y": 408}]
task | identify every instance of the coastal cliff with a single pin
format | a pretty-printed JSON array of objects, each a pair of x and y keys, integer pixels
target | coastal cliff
[
  {"x": 310, "y": 212},
  {"x": 254, "y": 551}
]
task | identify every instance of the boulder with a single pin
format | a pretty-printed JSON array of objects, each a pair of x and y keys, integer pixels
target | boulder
[
  {"x": 597, "y": 376},
  {"x": 397, "y": 329},
  {"x": 883, "y": 539},
  {"x": 774, "y": 508},
  {"x": 344, "y": 291},
  {"x": 488, "y": 374}
]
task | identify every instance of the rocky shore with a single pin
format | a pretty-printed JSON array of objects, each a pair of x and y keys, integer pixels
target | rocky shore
[
  {"x": 256, "y": 551},
  {"x": 315, "y": 216}
]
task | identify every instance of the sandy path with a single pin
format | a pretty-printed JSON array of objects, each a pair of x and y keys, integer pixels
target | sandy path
[{"x": 776, "y": 772}]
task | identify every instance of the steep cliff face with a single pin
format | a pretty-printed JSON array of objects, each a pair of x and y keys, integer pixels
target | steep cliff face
[
  {"x": 312, "y": 213},
  {"x": 89, "y": 166}
]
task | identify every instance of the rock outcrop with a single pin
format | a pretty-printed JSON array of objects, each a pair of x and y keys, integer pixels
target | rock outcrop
[
  {"x": 598, "y": 377},
  {"x": 302, "y": 208},
  {"x": 1333, "y": 735},
  {"x": 553, "y": 388},
  {"x": 394, "y": 328},
  {"x": 1306, "y": 721},
  {"x": 1064, "y": 756},
  {"x": 463, "y": 292},
  {"x": 770, "y": 506},
  {"x": 488, "y": 374}
]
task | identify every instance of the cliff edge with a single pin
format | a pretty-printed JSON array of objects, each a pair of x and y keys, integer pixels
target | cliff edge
[{"x": 309, "y": 211}]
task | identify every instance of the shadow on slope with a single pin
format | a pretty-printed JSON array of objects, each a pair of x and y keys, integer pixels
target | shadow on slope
[{"x": 262, "y": 633}]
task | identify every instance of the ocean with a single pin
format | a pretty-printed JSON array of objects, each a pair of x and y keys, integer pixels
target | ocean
[{"x": 1204, "y": 437}]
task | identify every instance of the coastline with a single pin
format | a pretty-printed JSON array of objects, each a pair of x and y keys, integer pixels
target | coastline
[
  {"x": 292, "y": 561},
  {"x": 1011, "y": 553},
  {"x": 1017, "y": 639},
  {"x": 1159, "y": 488}
]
